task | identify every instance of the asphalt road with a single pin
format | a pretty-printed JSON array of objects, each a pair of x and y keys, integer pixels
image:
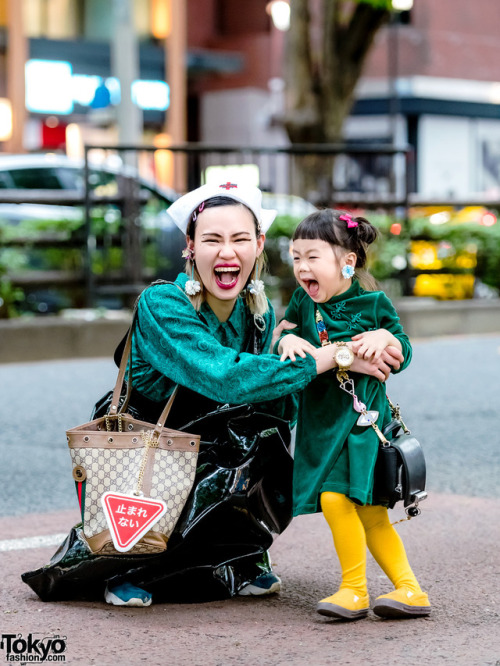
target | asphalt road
[{"x": 447, "y": 395}]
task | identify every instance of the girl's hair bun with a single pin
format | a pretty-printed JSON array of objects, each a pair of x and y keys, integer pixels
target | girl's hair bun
[{"x": 367, "y": 233}]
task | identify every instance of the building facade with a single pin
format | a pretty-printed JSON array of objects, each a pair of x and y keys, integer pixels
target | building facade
[{"x": 431, "y": 81}]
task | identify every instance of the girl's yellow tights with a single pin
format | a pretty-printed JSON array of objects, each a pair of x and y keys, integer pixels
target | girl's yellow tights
[{"x": 356, "y": 527}]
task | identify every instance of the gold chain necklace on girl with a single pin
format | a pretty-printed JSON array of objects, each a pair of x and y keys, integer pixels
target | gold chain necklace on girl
[{"x": 367, "y": 417}]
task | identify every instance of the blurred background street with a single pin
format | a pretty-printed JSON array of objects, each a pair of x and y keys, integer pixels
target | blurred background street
[{"x": 111, "y": 109}]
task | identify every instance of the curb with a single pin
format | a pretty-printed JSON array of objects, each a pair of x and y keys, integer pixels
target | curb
[{"x": 57, "y": 337}]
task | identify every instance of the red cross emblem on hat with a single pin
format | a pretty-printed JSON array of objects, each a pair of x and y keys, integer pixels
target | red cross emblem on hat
[{"x": 228, "y": 185}]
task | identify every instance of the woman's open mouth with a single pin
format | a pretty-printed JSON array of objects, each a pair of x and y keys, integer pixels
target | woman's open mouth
[{"x": 226, "y": 277}]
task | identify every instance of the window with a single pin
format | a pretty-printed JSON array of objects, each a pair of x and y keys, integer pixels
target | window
[
  {"x": 55, "y": 19},
  {"x": 36, "y": 179},
  {"x": 5, "y": 181},
  {"x": 233, "y": 21}
]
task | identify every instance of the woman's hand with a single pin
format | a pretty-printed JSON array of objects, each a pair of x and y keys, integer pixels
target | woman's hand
[
  {"x": 292, "y": 344},
  {"x": 371, "y": 344},
  {"x": 393, "y": 357},
  {"x": 390, "y": 358},
  {"x": 284, "y": 325}
]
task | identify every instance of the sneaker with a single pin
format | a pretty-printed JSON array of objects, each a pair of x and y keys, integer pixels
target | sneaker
[
  {"x": 266, "y": 583},
  {"x": 127, "y": 595},
  {"x": 402, "y": 603},
  {"x": 345, "y": 604}
]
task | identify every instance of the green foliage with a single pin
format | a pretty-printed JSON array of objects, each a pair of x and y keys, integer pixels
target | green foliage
[
  {"x": 378, "y": 4},
  {"x": 57, "y": 243},
  {"x": 10, "y": 296},
  {"x": 466, "y": 237},
  {"x": 382, "y": 254},
  {"x": 34, "y": 228},
  {"x": 284, "y": 225}
]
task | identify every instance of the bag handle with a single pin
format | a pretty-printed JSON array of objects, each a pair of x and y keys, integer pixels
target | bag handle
[
  {"x": 396, "y": 415},
  {"x": 113, "y": 410},
  {"x": 126, "y": 354},
  {"x": 118, "y": 387},
  {"x": 164, "y": 415}
]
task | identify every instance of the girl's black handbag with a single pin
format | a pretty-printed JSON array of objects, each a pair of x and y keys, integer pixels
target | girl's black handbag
[{"x": 400, "y": 469}]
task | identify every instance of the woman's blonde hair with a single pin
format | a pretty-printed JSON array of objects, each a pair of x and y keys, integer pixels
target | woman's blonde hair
[{"x": 257, "y": 303}]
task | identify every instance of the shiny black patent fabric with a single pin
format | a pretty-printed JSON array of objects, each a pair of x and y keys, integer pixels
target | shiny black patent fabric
[
  {"x": 240, "y": 499},
  {"x": 242, "y": 496}
]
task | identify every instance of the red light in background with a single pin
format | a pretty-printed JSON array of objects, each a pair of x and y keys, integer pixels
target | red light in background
[
  {"x": 488, "y": 220},
  {"x": 53, "y": 135},
  {"x": 395, "y": 228}
]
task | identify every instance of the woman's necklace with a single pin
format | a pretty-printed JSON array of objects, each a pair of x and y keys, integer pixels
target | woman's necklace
[{"x": 367, "y": 417}]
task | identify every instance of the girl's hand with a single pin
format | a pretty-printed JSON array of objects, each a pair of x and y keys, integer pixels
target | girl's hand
[
  {"x": 292, "y": 344},
  {"x": 284, "y": 325},
  {"x": 371, "y": 344}
]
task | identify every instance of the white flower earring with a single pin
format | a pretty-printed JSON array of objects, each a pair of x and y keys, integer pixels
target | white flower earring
[
  {"x": 347, "y": 272},
  {"x": 256, "y": 286},
  {"x": 192, "y": 286}
]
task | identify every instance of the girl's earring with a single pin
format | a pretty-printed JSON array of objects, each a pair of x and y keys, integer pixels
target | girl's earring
[
  {"x": 192, "y": 286},
  {"x": 347, "y": 272},
  {"x": 256, "y": 286}
]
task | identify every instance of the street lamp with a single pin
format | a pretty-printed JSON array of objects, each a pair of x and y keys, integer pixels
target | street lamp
[
  {"x": 279, "y": 11},
  {"x": 398, "y": 6},
  {"x": 402, "y": 5},
  {"x": 5, "y": 119},
  {"x": 399, "y": 173}
]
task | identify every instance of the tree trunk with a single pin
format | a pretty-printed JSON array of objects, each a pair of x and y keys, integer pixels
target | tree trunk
[{"x": 320, "y": 81}]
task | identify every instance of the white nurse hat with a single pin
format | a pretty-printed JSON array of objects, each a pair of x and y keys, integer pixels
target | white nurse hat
[{"x": 181, "y": 210}]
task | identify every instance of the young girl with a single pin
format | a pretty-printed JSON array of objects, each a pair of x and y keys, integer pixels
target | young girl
[{"x": 335, "y": 455}]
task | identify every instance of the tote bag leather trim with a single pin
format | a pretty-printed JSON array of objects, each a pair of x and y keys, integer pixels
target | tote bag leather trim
[{"x": 151, "y": 542}]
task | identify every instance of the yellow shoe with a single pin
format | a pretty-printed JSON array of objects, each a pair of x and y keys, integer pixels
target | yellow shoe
[
  {"x": 345, "y": 604},
  {"x": 402, "y": 603}
]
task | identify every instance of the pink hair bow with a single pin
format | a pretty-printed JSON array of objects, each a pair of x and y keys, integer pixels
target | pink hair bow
[{"x": 347, "y": 217}]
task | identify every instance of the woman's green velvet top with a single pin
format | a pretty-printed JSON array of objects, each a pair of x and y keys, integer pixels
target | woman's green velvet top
[{"x": 174, "y": 344}]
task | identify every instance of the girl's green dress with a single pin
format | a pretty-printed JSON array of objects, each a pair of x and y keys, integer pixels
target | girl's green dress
[{"x": 332, "y": 452}]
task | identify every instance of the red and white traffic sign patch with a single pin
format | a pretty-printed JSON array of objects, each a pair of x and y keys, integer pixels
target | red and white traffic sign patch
[{"x": 129, "y": 517}]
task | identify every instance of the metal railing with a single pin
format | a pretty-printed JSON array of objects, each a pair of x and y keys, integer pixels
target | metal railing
[{"x": 369, "y": 176}]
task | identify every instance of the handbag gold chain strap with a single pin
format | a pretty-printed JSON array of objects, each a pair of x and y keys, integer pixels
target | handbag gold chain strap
[
  {"x": 149, "y": 443},
  {"x": 109, "y": 425}
]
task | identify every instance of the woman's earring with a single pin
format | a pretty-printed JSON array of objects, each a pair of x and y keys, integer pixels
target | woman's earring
[
  {"x": 256, "y": 286},
  {"x": 188, "y": 253},
  {"x": 192, "y": 286},
  {"x": 347, "y": 272}
]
